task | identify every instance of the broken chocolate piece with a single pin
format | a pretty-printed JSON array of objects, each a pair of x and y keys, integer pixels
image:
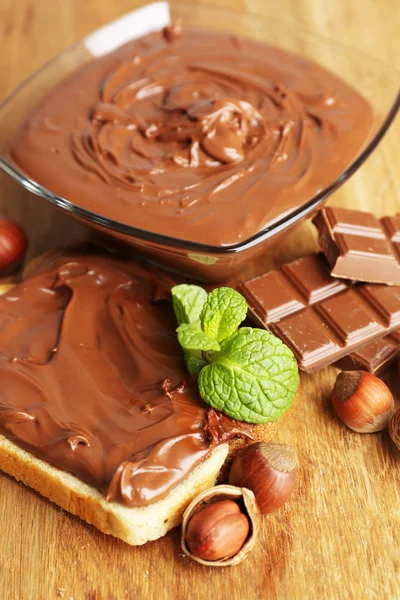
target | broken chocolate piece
[
  {"x": 377, "y": 357},
  {"x": 359, "y": 246}
]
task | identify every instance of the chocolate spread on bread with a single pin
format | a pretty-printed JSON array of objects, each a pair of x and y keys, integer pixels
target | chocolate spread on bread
[{"x": 93, "y": 381}]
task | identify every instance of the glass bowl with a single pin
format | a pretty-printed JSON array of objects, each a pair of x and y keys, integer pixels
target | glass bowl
[{"x": 377, "y": 82}]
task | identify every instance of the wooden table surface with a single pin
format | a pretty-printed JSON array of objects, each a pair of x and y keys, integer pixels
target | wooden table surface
[{"x": 339, "y": 536}]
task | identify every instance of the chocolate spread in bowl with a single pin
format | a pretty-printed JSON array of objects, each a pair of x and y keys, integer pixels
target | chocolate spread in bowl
[
  {"x": 199, "y": 135},
  {"x": 92, "y": 379}
]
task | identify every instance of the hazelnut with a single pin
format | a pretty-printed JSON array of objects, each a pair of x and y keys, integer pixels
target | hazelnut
[
  {"x": 220, "y": 526},
  {"x": 268, "y": 470},
  {"x": 394, "y": 428},
  {"x": 12, "y": 246},
  {"x": 218, "y": 530},
  {"x": 362, "y": 401}
]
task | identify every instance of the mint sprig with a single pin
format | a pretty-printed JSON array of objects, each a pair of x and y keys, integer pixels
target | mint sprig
[
  {"x": 249, "y": 374},
  {"x": 222, "y": 313},
  {"x": 191, "y": 337},
  {"x": 194, "y": 361},
  {"x": 188, "y": 301},
  {"x": 253, "y": 378}
]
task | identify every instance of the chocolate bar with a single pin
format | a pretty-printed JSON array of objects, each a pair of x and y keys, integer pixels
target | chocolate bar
[
  {"x": 321, "y": 318},
  {"x": 359, "y": 246},
  {"x": 377, "y": 357}
]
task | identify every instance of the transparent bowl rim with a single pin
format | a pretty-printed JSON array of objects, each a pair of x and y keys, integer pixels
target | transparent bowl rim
[{"x": 160, "y": 239}]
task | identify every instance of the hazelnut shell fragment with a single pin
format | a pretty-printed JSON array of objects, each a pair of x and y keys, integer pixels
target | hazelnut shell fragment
[
  {"x": 394, "y": 428},
  {"x": 249, "y": 507}
]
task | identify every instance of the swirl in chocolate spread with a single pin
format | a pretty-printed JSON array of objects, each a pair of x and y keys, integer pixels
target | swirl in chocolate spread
[
  {"x": 194, "y": 134},
  {"x": 92, "y": 379}
]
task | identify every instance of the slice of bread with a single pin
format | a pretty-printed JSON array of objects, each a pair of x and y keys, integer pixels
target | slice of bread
[{"x": 135, "y": 526}]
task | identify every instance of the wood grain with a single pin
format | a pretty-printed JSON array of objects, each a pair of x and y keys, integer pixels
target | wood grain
[{"x": 338, "y": 537}]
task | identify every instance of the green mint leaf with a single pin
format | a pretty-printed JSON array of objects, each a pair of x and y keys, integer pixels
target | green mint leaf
[
  {"x": 191, "y": 337},
  {"x": 188, "y": 301},
  {"x": 194, "y": 361},
  {"x": 222, "y": 313},
  {"x": 253, "y": 378}
]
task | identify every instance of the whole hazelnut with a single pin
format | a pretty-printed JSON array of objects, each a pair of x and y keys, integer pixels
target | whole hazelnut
[
  {"x": 218, "y": 530},
  {"x": 362, "y": 401},
  {"x": 268, "y": 470},
  {"x": 13, "y": 244}
]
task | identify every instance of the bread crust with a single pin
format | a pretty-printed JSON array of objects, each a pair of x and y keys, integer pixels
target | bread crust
[{"x": 134, "y": 526}]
